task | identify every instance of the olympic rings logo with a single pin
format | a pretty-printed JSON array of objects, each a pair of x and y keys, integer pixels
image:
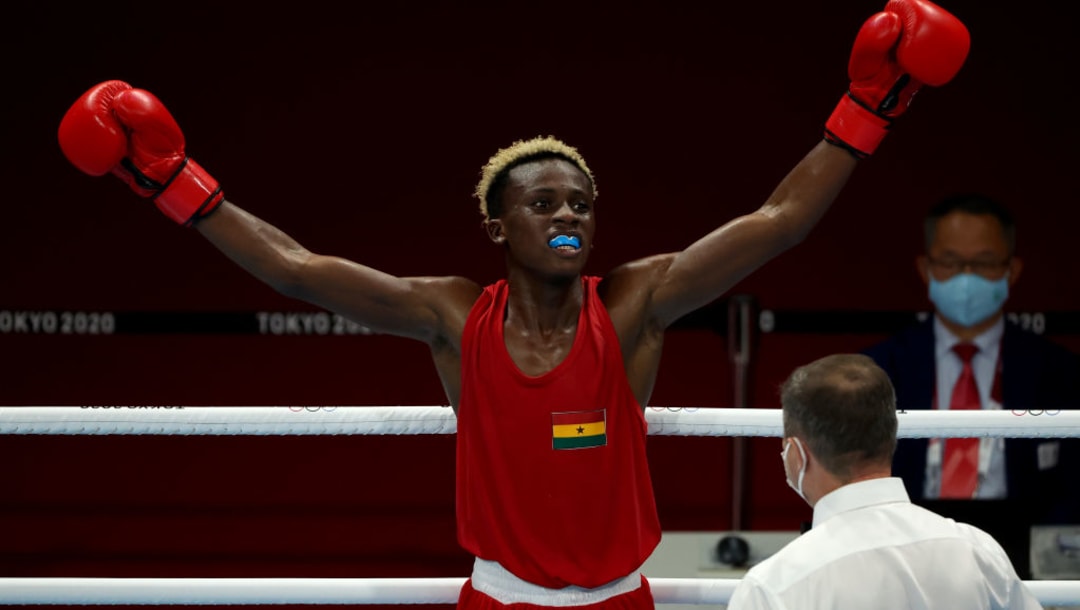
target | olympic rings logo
[
  {"x": 675, "y": 409},
  {"x": 1016, "y": 412},
  {"x": 1035, "y": 412},
  {"x": 312, "y": 409}
]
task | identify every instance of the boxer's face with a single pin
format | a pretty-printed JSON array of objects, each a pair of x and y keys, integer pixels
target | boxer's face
[{"x": 548, "y": 218}]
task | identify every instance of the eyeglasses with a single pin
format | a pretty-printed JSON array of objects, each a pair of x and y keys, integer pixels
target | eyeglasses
[{"x": 948, "y": 267}]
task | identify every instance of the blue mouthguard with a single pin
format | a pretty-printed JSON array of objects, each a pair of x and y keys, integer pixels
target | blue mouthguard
[{"x": 564, "y": 240}]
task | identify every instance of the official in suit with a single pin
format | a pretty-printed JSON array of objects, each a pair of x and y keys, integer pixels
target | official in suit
[{"x": 969, "y": 356}]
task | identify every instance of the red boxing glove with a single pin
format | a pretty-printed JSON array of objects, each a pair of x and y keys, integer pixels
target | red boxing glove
[
  {"x": 128, "y": 132},
  {"x": 897, "y": 51}
]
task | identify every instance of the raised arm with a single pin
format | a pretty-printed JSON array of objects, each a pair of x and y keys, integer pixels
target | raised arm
[
  {"x": 421, "y": 308},
  {"x": 114, "y": 128},
  {"x": 910, "y": 43}
]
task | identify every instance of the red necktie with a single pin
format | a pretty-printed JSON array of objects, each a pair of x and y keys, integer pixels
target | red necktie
[{"x": 960, "y": 465}]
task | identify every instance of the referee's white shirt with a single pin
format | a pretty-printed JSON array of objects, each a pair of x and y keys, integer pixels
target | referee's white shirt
[{"x": 870, "y": 547}]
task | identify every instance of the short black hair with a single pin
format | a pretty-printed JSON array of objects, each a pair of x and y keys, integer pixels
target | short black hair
[{"x": 970, "y": 203}]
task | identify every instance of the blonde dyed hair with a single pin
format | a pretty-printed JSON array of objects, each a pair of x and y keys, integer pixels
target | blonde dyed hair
[{"x": 493, "y": 175}]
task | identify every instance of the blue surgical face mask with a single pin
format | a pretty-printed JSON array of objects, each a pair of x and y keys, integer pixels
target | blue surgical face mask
[{"x": 967, "y": 298}]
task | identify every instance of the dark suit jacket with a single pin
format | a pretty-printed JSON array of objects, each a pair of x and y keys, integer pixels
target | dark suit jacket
[{"x": 1036, "y": 374}]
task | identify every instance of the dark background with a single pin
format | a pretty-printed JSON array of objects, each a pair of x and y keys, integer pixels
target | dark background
[{"x": 360, "y": 130}]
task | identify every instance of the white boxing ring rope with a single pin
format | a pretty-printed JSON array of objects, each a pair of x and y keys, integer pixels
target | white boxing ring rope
[
  {"x": 279, "y": 591},
  {"x": 69, "y": 420},
  {"x": 663, "y": 421}
]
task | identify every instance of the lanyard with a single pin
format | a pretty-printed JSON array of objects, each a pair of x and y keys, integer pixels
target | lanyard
[{"x": 987, "y": 446}]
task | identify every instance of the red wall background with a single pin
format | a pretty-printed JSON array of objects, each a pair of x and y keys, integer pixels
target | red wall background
[{"x": 360, "y": 130}]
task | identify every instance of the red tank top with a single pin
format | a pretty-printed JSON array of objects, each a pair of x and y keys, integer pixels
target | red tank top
[{"x": 552, "y": 476}]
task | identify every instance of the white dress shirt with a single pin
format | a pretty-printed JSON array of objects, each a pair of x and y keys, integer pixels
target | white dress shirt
[
  {"x": 948, "y": 366},
  {"x": 870, "y": 547}
]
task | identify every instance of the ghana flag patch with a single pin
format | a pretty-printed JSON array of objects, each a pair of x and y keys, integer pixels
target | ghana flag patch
[{"x": 578, "y": 429}]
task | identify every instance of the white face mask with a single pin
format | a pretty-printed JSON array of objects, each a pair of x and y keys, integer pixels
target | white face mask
[{"x": 797, "y": 486}]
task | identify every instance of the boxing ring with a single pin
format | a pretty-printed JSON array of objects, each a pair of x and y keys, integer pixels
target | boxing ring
[{"x": 409, "y": 420}]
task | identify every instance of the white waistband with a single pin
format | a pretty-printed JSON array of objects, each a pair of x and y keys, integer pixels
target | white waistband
[{"x": 491, "y": 579}]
